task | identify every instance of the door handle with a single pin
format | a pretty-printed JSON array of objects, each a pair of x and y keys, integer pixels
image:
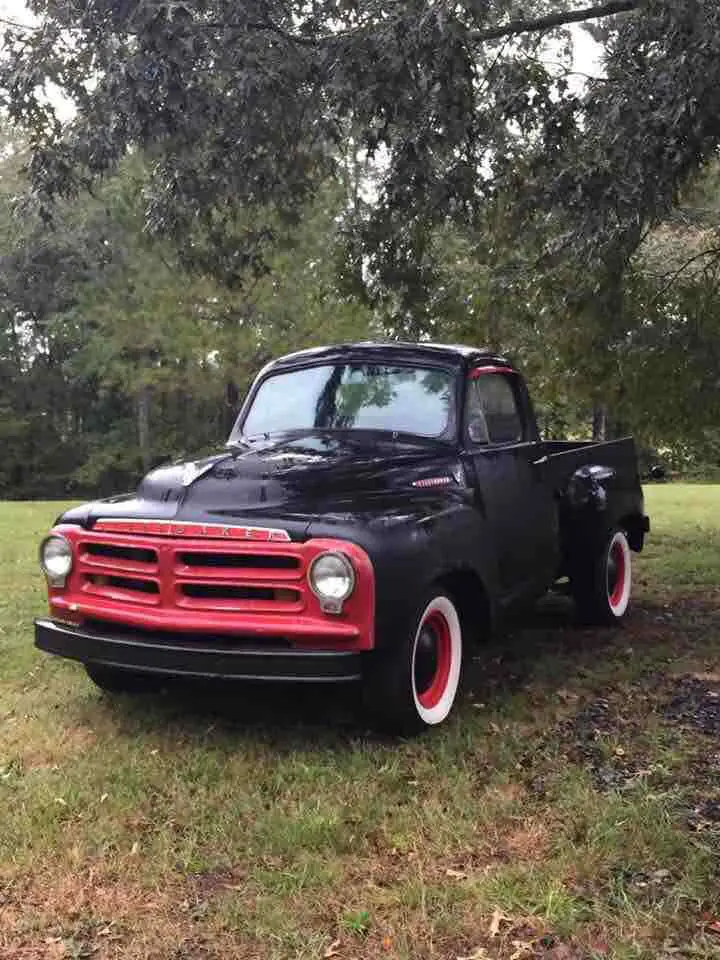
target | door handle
[{"x": 541, "y": 462}]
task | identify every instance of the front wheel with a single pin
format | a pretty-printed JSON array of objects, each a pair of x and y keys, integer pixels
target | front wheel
[
  {"x": 602, "y": 583},
  {"x": 414, "y": 686}
]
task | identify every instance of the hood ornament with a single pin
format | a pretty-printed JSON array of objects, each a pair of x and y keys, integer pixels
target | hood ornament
[{"x": 191, "y": 472}]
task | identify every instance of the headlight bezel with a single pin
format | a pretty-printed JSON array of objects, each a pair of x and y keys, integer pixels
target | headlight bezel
[
  {"x": 328, "y": 603},
  {"x": 57, "y": 577}
]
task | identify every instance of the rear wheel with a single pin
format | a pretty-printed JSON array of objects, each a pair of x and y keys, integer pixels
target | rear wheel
[
  {"x": 414, "y": 686},
  {"x": 116, "y": 680},
  {"x": 602, "y": 583}
]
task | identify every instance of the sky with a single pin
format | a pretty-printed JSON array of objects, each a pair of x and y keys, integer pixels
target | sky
[{"x": 15, "y": 10}]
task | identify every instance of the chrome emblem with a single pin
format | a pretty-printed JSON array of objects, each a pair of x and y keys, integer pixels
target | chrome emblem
[{"x": 191, "y": 472}]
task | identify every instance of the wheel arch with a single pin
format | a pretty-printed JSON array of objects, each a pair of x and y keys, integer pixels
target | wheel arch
[
  {"x": 469, "y": 594},
  {"x": 634, "y": 525}
]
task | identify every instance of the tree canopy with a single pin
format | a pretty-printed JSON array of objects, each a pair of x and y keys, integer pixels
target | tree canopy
[
  {"x": 236, "y": 179},
  {"x": 245, "y": 105}
]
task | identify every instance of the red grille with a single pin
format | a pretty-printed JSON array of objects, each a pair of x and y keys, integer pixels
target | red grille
[
  {"x": 208, "y": 576},
  {"x": 208, "y": 585}
]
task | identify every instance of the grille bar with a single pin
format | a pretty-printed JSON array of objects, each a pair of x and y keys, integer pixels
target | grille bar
[
  {"x": 244, "y": 596},
  {"x": 206, "y": 558},
  {"x": 110, "y": 558},
  {"x": 122, "y": 588},
  {"x": 113, "y": 551},
  {"x": 219, "y": 568}
]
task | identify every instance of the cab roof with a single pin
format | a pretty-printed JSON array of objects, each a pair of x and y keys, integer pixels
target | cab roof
[{"x": 390, "y": 351}]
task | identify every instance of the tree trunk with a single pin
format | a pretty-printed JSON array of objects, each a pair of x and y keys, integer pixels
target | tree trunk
[
  {"x": 599, "y": 422},
  {"x": 143, "y": 427}
]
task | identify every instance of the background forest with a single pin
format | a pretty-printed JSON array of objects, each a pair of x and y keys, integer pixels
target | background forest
[{"x": 143, "y": 281}]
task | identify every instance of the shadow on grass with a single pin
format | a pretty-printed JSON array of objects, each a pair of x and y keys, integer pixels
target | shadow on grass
[
  {"x": 546, "y": 648},
  {"x": 329, "y": 712}
]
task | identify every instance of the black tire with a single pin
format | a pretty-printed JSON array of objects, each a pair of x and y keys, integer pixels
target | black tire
[
  {"x": 413, "y": 686},
  {"x": 601, "y": 583},
  {"x": 116, "y": 680}
]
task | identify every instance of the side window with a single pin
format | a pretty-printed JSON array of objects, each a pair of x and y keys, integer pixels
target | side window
[{"x": 493, "y": 415}]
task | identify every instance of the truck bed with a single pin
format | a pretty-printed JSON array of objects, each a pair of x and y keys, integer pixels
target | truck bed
[{"x": 566, "y": 456}]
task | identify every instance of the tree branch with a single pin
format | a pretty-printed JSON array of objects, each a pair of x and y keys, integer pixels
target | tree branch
[
  {"x": 6, "y": 22},
  {"x": 713, "y": 252},
  {"x": 560, "y": 19},
  {"x": 510, "y": 29}
]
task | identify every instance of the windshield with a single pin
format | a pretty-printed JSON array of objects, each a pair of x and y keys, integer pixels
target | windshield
[{"x": 353, "y": 396}]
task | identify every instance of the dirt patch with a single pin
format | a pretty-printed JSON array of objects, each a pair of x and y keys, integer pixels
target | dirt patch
[
  {"x": 41, "y": 749},
  {"x": 507, "y": 792},
  {"x": 695, "y": 702},
  {"x": 705, "y": 816},
  {"x": 506, "y": 937},
  {"x": 98, "y": 911},
  {"x": 529, "y": 843},
  {"x": 588, "y": 735}
]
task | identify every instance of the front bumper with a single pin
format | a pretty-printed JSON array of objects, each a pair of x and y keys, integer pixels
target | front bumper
[{"x": 194, "y": 657}]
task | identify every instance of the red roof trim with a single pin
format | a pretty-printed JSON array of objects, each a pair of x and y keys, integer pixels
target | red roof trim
[{"x": 480, "y": 371}]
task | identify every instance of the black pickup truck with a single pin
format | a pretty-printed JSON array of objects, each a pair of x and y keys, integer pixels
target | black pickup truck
[{"x": 377, "y": 509}]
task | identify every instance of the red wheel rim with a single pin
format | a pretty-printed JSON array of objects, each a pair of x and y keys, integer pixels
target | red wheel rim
[
  {"x": 437, "y": 625},
  {"x": 616, "y": 587}
]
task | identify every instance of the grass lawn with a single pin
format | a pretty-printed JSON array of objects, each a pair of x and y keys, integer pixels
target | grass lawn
[{"x": 570, "y": 810}]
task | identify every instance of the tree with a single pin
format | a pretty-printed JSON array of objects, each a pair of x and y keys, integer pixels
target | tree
[
  {"x": 478, "y": 193},
  {"x": 248, "y": 105},
  {"x": 113, "y": 357}
]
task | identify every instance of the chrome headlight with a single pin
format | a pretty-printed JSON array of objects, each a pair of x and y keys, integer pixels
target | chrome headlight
[
  {"x": 332, "y": 580},
  {"x": 56, "y": 559}
]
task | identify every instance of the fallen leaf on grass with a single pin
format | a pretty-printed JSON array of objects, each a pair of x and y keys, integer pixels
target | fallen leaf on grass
[
  {"x": 333, "y": 950},
  {"x": 563, "y": 951},
  {"x": 568, "y": 696},
  {"x": 56, "y": 948},
  {"x": 455, "y": 874},
  {"x": 497, "y": 919},
  {"x": 522, "y": 949}
]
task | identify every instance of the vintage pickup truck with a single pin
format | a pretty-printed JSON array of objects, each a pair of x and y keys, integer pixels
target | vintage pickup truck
[{"x": 378, "y": 508}]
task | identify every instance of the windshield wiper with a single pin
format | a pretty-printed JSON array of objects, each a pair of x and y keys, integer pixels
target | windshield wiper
[{"x": 238, "y": 444}]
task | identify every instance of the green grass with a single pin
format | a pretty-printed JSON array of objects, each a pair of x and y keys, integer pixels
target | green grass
[
  {"x": 684, "y": 550},
  {"x": 563, "y": 813}
]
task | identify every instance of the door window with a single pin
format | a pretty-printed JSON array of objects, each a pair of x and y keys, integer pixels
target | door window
[{"x": 493, "y": 414}]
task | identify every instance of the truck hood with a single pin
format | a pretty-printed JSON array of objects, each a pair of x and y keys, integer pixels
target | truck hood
[{"x": 289, "y": 481}]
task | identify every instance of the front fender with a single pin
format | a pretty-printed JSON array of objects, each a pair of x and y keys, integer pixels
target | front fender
[{"x": 412, "y": 549}]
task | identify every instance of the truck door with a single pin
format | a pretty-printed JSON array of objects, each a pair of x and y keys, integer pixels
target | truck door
[{"x": 519, "y": 507}]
